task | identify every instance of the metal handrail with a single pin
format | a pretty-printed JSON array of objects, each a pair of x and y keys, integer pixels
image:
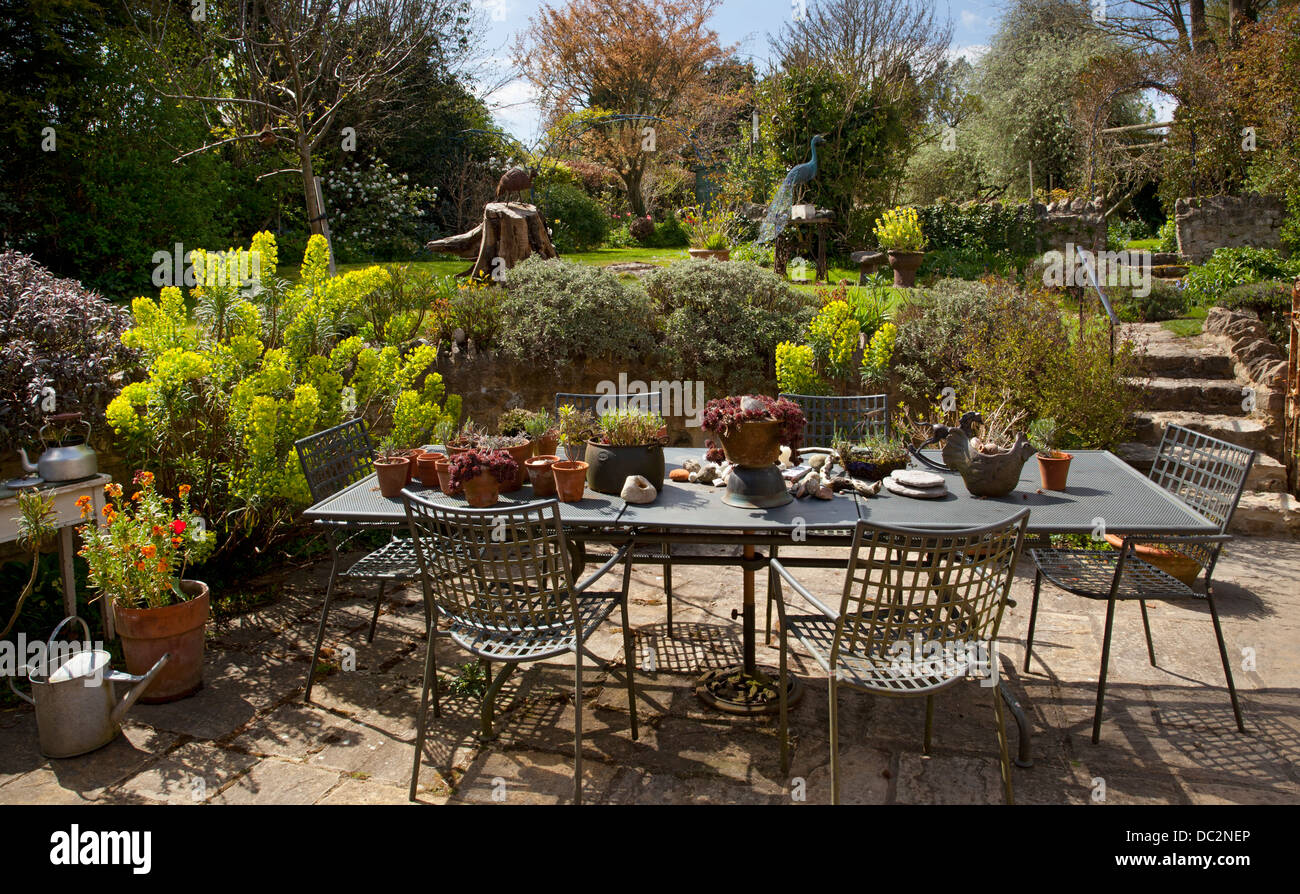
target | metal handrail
[{"x": 1111, "y": 320}]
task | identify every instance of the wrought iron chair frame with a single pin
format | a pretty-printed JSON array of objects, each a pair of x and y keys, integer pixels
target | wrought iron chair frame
[
  {"x": 1212, "y": 489},
  {"x": 960, "y": 581},
  {"x": 511, "y": 611},
  {"x": 866, "y": 415},
  {"x": 331, "y": 460},
  {"x": 650, "y": 401}
]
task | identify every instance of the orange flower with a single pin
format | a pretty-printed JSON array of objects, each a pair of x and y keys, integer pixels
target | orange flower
[
  {"x": 137, "y": 495},
  {"x": 157, "y": 531},
  {"x": 108, "y": 511},
  {"x": 162, "y": 566},
  {"x": 149, "y": 551},
  {"x": 184, "y": 489},
  {"x": 83, "y": 503},
  {"x": 113, "y": 490},
  {"x": 139, "y": 566},
  {"x": 176, "y": 541}
]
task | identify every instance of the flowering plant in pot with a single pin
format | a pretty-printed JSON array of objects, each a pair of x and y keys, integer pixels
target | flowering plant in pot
[
  {"x": 482, "y": 474},
  {"x": 752, "y": 429},
  {"x": 137, "y": 557},
  {"x": 899, "y": 233},
  {"x": 707, "y": 231},
  {"x": 518, "y": 447},
  {"x": 1053, "y": 464},
  {"x": 627, "y": 442},
  {"x": 576, "y": 427}
]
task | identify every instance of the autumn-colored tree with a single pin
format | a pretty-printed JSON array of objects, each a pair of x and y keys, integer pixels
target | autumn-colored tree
[{"x": 598, "y": 59}]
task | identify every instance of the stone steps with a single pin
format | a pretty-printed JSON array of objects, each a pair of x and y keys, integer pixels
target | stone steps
[
  {"x": 1266, "y": 515},
  {"x": 1267, "y": 475},
  {"x": 1185, "y": 359},
  {"x": 1205, "y": 395},
  {"x": 1240, "y": 430}
]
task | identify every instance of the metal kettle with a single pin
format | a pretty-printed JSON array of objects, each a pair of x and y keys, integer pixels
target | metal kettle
[{"x": 64, "y": 459}]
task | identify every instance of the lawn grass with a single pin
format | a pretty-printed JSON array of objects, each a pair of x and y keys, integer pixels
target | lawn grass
[
  {"x": 1190, "y": 324},
  {"x": 1152, "y": 244}
]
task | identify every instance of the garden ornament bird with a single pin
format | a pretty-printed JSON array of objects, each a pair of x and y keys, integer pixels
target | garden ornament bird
[
  {"x": 778, "y": 213},
  {"x": 987, "y": 470},
  {"x": 515, "y": 180}
]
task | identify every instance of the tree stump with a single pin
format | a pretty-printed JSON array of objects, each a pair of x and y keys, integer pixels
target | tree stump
[{"x": 510, "y": 232}]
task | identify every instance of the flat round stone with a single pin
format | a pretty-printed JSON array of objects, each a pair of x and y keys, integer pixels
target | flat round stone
[
  {"x": 919, "y": 493},
  {"x": 918, "y": 478}
]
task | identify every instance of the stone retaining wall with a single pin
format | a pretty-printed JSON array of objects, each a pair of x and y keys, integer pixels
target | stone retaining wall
[
  {"x": 1080, "y": 223},
  {"x": 1258, "y": 362},
  {"x": 1205, "y": 223}
]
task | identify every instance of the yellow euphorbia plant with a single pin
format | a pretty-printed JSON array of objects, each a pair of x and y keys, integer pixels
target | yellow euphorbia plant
[
  {"x": 899, "y": 229},
  {"x": 253, "y": 367}
]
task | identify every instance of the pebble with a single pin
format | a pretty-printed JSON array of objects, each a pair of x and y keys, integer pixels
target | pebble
[
  {"x": 917, "y": 478},
  {"x": 679, "y": 475}
]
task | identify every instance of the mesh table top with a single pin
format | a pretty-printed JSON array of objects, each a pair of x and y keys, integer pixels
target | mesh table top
[{"x": 1101, "y": 487}]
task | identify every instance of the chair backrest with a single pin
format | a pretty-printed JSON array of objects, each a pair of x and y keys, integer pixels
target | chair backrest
[
  {"x": 495, "y": 570},
  {"x": 934, "y": 589},
  {"x": 853, "y": 416},
  {"x": 336, "y": 457},
  {"x": 1205, "y": 473},
  {"x": 595, "y": 404}
]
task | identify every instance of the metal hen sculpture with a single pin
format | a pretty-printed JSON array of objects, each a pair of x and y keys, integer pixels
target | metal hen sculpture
[
  {"x": 778, "y": 213},
  {"x": 987, "y": 471}
]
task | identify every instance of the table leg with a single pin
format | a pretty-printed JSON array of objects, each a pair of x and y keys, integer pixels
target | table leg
[
  {"x": 750, "y": 662},
  {"x": 66, "y": 552}
]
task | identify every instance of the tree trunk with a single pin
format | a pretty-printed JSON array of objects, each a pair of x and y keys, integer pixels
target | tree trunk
[
  {"x": 1200, "y": 30},
  {"x": 315, "y": 213},
  {"x": 632, "y": 182},
  {"x": 510, "y": 232}
]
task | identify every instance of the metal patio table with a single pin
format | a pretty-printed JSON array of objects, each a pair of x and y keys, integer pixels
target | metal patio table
[{"x": 1104, "y": 493}]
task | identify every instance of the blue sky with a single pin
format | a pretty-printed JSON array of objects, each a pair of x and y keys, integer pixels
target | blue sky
[{"x": 746, "y": 23}]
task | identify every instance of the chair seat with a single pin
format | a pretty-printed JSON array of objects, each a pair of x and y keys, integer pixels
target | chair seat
[
  {"x": 395, "y": 560},
  {"x": 1089, "y": 573},
  {"x": 878, "y": 673},
  {"x": 533, "y": 644}
]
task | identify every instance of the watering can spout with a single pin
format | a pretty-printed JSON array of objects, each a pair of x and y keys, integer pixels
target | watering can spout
[
  {"x": 141, "y": 684},
  {"x": 28, "y": 465}
]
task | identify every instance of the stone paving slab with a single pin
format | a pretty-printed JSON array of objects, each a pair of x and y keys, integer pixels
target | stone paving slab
[{"x": 1167, "y": 735}]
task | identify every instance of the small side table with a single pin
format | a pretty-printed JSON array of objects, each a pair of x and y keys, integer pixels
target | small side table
[
  {"x": 66, "y": 517},
  {"x": 799, "y": 233}
]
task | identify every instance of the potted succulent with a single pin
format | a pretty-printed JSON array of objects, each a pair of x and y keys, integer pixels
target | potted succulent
[
  {"x": 391, "y": 469},
  {"x": 137, "y": 557},
  {"x": 752, "y": 430},
  {"x": 627, "y": 442},
  {"x": 707, "y": 231},
  {"x": 482, "y": 474},
  {"x": 465, "y": 439},
  {"x": 514, "y": 421},
  {"x": 1053, "y": 464},
  {"x": 871, "y": 458},
  {"x": 899, "y": 233},
  {"x": 519, "y": 449},
  {"x": 543, "y": 433},
  {"x": 577, "y": 427}
]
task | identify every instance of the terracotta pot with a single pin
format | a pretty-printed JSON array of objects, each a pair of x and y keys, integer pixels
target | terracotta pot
[
  {"x": 148, "y": 633},
  {"x": 443, "y": 468},
  {"x": 392, "y": 475},
  {"x": 482, "y": 490},
  {"x": 546, "y": 446},
  {"x": 455, "y": 451},
  {"x": 570, "y": 479},
  {"x": 905, "y": 264},
  {"x": 518, "y": 454},
  {"x": 710, "y": 254},
  {"x": 539, "y": 473},
  {"x": 1054, "y": 470},
  {"x": 609, "y": 467},
  {"x": 1172, "y": 563},
  {"x": 426, "y": 465},
  {"x": 412, "y": 457},
  {"x": 753, "y": 444}
]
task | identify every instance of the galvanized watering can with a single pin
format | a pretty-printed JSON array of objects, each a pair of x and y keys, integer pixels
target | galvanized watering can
[{"x": 75, "y": 707}]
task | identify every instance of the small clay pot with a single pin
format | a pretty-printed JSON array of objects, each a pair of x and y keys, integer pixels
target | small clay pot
[
  {"x": 426, "y": 466},
  {"x": 570, "y": 479},
  {"x": 1053, "y": 471},
  {"x": 443, "y": 467},
  {"x": 392, "y": 475},
  {"x": 412, "y": 456},
  {"x": 539, "y": 473},
  {"x": 482, "y": 490},
  {"x": 518, "y": 454}
]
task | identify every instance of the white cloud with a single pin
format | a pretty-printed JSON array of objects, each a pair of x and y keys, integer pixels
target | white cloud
[{"x": 972, "y": 53}]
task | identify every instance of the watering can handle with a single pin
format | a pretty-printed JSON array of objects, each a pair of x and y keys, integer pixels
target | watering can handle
[
  {"x": 84, "y": 629},
  {"x": 141, "y": 684}
]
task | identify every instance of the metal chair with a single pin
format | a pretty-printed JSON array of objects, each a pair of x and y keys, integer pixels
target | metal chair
[
  {"x": 852, "y": 416},
  {"x": 332, "y": 460},
  {"x": 502, "y": 578},
  {"x": 1205, "y": 473},
  {"x": 647, "y": 401},
  {"x": 939, "y": 593}
]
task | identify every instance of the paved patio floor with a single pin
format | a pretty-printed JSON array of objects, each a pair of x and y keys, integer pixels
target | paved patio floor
[{"x": 1168, "y": 736}]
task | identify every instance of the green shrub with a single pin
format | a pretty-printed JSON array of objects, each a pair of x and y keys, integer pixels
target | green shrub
[
  {"x": 753, "y": 253},
  {"x": 564, "y": 311},
  {"x": 970, "y": 262},
  {"x": 1270, "y": 300},
  {"x": 1228, "y": 267},
  {"x": 723, "y": 321},
  {"x": 1169, "y": 236},
  {"x": 473, "y": 307},
  {"x": 577, "y": 221},
  {"x": 986, "y": 228},
  {"x": 669, "y": 233},
  {"x": 1163, "y": 302},
  {"x": 796, "y": 370}
]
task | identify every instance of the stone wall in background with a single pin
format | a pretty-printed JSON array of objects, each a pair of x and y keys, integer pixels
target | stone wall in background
[
  {"x": 1208, "y": 222},
  {"x": 1079, "y": 223}
]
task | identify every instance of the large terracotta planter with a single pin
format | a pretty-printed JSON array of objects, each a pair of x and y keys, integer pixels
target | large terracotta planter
[
  {"x": 539, "y": 473},
  {"x": 710, "y": 254},
  {"x": 1172, "y": 563},
  {"x": 482, "y": 490},
  {"x": 149, "y": 633},
  {"x": 753, "y": 444},
  {"x": 608, "y": 467},
  {"x": 905, "y": 264},
  {"x": 570, "y": 480},
  {"x": 392, "y": 475},
  {"x": 1054, "y": 471},
  {"x": 518, "y": 454}
]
